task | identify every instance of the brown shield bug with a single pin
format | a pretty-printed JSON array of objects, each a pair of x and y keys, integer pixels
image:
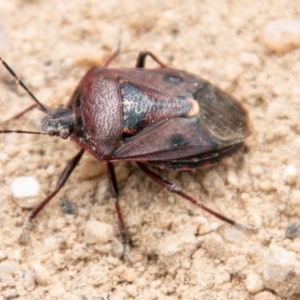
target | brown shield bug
[{"x": 164, "y": 117}]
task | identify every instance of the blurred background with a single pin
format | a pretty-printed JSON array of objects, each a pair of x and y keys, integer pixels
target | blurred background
[{"x": 250, "y": 49}]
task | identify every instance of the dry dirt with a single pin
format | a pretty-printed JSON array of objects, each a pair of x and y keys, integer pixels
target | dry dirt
[{"x": 178, "y": 251}]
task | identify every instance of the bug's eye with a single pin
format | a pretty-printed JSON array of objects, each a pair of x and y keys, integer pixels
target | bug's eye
[{"x": 64, "y": 134}]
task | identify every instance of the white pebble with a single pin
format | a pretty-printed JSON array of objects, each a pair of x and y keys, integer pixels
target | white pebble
[
  {"x": 50, "y": 170},
  {"x": 23, "y": 187},
  {"x": 281, "y": 271},
  {"x": 213, "y": 183},
  {"x": 254, "y": 283},
  {"x": 282, "y": 35},
  {"x": 249, "y": 58},
  {"x": 203, "y": 226},
  {"x": 257, "y": 171},
  {"x": 8, "y": 268},
  {"x": 10, "y": 294},
  {"x": 117, "y": 249},
  {"x": 97, "y": 232},
  {"x": 50, "y": 242},
  {"x": 290, "y": 174},
  {"x": 233, "y": 179},
  {"x": 102, "y": 190},
  {"x": 233, "y": 235},
  {"x": 41, "y": 275},
  {"x": 29, "y": 280}
]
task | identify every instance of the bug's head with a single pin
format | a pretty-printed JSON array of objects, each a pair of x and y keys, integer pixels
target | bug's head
[{"x": 59, "y": 122}]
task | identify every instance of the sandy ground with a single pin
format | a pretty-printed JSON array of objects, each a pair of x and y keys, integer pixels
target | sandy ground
[{"x": 178, "y": 251}]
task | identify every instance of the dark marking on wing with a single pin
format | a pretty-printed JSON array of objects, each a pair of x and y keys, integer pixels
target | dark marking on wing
[{"x": 178, "y": 140}]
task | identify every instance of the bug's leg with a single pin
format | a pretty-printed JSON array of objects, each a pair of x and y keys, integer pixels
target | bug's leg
[
  {"x": 115, "y": 194},
  {"x": 113, "y": 55},
  {"x": 60, "y": 183},
  {"x": 173, "y": 189},
  {"x": 141, "y": 60},
  {"x": 23, "y": 112}
]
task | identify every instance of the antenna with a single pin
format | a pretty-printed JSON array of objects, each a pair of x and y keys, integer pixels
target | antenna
[
  {"x": 21, "y": 83},
  {"x": 24, "y": 131}
]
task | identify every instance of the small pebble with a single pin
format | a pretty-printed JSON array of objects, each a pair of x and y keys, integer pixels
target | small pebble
[
  {"x": 29, "y": 280},
  {"x": 203, "y": 226},
  {"x": 254, "y": 283},
  {"x": 117, "y": 249},
  {"x": 295, "y": 197},
  {"x": 97, "y": 232},
  {"x": 290, "y": 174},
  {"x": 41, "y": 275},
  {"x": 266, "y": 295},
  {"x": 2, "y": 255},
  {"x": 11, "y": 294},
  {"x": 233, "y": 179},
  {"x": 249, "y": 58},
  {"x": 122, "y": 173},
  {"x": 266, "y": 185},
  {"x": 23, "y": 187},
  {"x": 292, "y": 231},
  {"x": 282, "y": 35},
  {"x": 233, "y": 235},
  {"x": 90, "y": 168},
  {"x": 68, "y": 207},
  {"x": 257, "y": 171},
  {"x": 8, "y": 268},
  {"x": 213, "y": 183},
  {"x": 171, "y": 199},
  {"x": 50, "y": 242},
  {"x": 214, "y": 246},
  {"x": 236, "y": 264},
  {"x": 50, "y": 170},
  {"x": 162, "y": 219},
  {"x": 281, "y": 271},
  {"x": 102, "y": 190}
]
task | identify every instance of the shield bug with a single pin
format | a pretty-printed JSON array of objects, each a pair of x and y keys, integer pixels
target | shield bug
[{"x": 164, "y": 117}]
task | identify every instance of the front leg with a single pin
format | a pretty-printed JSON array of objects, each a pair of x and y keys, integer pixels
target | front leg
[{"x": 60, "y": 183}]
